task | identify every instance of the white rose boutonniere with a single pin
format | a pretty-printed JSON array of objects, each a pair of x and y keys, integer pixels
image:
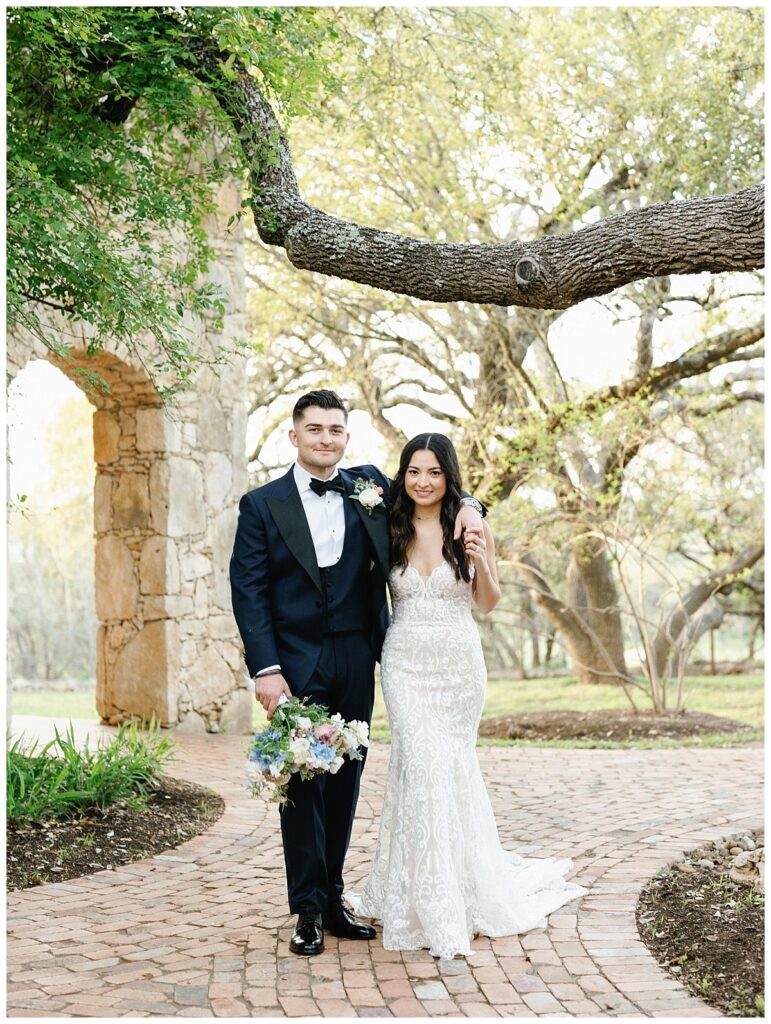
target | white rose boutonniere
[{"x": 368, "y": 494}]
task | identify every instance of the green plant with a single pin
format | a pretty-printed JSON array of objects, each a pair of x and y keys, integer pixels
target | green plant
[{"x": 60, "y": 781}]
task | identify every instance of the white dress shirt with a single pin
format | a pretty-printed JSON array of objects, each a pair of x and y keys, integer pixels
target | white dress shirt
[{"x": 326, "y": 518}]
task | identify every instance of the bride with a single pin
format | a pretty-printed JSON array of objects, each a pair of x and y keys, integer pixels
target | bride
[{"x": 439, "y": 874}]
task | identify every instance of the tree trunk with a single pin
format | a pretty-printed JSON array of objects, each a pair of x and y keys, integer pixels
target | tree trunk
[
  {"x": 593, "y": 655},
  {"x": 679, "y": 618}
]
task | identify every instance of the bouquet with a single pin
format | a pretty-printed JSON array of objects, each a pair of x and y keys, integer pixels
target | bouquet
[{"x": 304, "y": 738}]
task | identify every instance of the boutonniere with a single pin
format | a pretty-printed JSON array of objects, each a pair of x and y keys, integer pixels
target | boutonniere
[{"x": 368, "y": 494}]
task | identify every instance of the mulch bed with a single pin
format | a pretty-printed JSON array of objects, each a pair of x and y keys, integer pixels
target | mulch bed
[
  {"x": 707, "y": 931},
  {"x": 616, "y": 725},
  {"x": 54, "y": 851}
]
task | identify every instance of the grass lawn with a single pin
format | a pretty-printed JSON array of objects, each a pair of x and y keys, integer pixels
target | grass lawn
[
  {"x": 739, "y": 697},
  {"x": 54, "y": 703}
]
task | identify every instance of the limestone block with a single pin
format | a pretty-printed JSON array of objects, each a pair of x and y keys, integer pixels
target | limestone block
[
  {"x": 145, "y": 673},
  {"x": 228, "y": 205},
  {"x": 157, "y": 431},
  {"x": 131, "y": 501},
  {"x": 128, "y": 420},
  {"x": 154, "y": 607},
  {"x": 209, "y": 678},
  {"x": 190, "y": 435},
  {"x": 176, "y": 492},
  {"x": 238, "y": 419},
  {"x": 223, "y": 530},
  {"x": 187, "y": 513},
  {"x": 115, "y": 581},
  {"x": 166, "y": 606},
  {"x": 106, "y": 436},
  {"x": 213, "y": 433},
  {"x": 194, "y": 565},
  {"x": 192, "y": 723},
  {"x": 222, "y": 627},
  {"x": 218, "y": 274},
  {"x": 201, "y": 600},
  {"x": 102, "y": 501},
  {"x": 117, "y": 636},
  {"x": 218, "y": 474},
  {"x": 159, "y": 495},
  {"x": 188, "y": 653},
  {"x": 206, "y": 380},
  {"x": 233, "y": 655},
  {"x": 102, "y": 679},
  {"x": 192, "y": 627},
  {"x": 159, "y": 566},
  {"x": 234, "y": 326},
  {"x": 236, "y": 715}
]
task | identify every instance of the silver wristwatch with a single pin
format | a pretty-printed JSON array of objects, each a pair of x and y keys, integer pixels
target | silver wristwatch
[{"x": 474, "y": 503}]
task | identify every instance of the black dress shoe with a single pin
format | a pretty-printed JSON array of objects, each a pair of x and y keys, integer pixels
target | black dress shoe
[
  {"x": 344, "y": 925},
  {"x": 308, "y": 936}
]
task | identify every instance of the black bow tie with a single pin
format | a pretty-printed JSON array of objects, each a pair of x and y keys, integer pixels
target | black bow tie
[{"x": 322, "y": 486}]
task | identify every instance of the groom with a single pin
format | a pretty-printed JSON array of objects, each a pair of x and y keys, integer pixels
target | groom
[{"x": 308, "y": 579}]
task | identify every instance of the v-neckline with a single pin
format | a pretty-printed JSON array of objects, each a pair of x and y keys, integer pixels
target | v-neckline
[{"x": 431, "y": 574}]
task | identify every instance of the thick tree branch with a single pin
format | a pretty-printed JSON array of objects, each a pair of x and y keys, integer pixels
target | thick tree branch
[
  {"x": 715, "y": 581},
  {"x": 698, "y": 359},
  {"x": 714, "y": 233}
]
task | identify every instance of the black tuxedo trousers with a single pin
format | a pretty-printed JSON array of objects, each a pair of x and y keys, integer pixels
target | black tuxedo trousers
[{"x": 316, "y": 824}]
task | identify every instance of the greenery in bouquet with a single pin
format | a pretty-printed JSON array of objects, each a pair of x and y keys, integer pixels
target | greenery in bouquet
[{"x": 301, "y": 738}]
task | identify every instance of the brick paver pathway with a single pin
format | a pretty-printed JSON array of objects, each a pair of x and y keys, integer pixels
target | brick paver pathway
[{"x": 202, "y": 931}]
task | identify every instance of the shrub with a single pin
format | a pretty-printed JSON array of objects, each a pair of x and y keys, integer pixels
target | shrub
[{"x": 61, "y": 781}]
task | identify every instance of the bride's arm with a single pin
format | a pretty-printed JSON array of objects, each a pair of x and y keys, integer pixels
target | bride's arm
[{"x": 480, "y": 548}]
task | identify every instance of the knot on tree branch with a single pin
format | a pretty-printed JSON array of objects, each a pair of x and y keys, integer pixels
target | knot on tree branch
[{"x": 527, "y": 269}]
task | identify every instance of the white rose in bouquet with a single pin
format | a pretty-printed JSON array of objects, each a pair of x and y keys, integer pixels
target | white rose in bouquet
[{"x": 300, "y": 750}]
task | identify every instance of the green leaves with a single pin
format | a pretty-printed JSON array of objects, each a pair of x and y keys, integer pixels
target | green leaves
[
  {"x": 62, "y": 780},
  {"x": 110, "y": 168}
]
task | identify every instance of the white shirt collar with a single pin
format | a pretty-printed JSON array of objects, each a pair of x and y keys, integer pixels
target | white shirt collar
[{"x": 303, "y": 478}]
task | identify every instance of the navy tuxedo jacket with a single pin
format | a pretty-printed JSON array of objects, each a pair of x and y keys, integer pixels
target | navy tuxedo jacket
[{"x": 275, "y": 580}]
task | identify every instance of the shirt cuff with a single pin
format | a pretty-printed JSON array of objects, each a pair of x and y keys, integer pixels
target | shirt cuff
[{"x": 267, "y": 671}]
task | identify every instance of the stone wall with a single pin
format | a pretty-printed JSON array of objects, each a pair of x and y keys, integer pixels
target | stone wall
[{"x": 166, "y": 492}]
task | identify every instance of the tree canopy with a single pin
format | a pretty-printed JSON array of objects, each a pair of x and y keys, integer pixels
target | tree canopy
[
  {"x": 113, "y": 113},
  {"x": 113, "y": 156}
]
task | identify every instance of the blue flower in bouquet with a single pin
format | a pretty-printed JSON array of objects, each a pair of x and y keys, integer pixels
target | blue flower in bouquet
[{"x": 323, "y": 752}]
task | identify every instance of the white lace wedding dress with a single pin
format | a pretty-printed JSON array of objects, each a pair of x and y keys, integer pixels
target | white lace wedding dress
[{"x": 439, "y": 874}]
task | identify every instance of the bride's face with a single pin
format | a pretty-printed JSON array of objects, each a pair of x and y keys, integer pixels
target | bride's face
[{"x": 424, "y": 480}]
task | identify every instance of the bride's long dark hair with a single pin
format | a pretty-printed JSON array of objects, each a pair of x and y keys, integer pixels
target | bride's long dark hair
[{"x": 401, "y": 506}]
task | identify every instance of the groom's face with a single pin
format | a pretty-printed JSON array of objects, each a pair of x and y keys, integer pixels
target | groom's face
[{"x": 320, "y": 437}]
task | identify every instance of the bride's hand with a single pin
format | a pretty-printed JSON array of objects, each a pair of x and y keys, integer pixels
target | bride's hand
[{"x": 476, "y": 546}]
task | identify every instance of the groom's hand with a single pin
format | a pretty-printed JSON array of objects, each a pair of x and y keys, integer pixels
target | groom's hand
[{"x": 268, "y": 689}]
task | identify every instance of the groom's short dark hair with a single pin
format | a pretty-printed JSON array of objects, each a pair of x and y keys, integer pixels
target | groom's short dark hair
[{"x": 323, "y": 398}]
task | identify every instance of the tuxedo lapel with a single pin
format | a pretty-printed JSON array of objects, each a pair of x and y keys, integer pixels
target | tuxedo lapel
[
  {"x": 290, "y": 519},
  {"x": 376, "y": 524}
]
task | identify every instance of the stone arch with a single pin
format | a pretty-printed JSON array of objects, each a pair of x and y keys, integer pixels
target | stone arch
[{"x": 166, "y": 490}]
